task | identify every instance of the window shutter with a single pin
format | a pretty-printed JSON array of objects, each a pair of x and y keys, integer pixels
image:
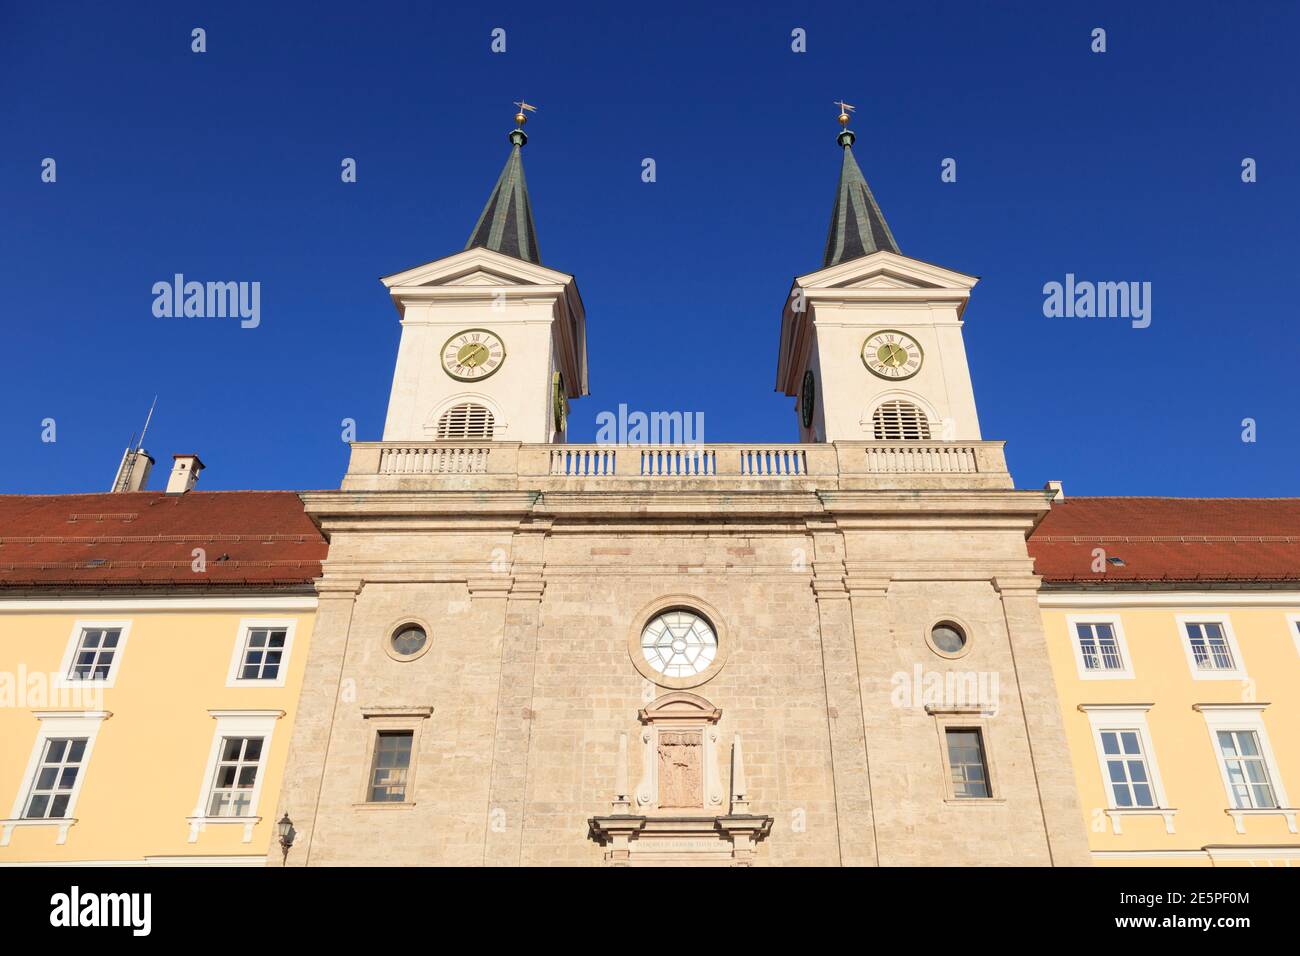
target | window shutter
[
  {"x": 900, "y": 421},
  {"x": 466, "y": 420}
]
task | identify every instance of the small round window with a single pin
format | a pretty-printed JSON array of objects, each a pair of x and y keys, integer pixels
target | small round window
[
  {"x": 679, "y": 643},
  {"x": 408, "y": 641},
  {"x": 948, "y": 638}
]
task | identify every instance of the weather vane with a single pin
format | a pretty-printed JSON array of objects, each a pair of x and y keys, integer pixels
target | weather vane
[
  {"x": 524, "y": 109},
  {"x": 845, "y": 110}
]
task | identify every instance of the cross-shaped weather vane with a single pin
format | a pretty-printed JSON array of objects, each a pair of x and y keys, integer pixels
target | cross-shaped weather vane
[{"x": 524, "y": 109}]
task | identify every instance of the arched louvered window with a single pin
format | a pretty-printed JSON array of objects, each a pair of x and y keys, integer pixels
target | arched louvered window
[
  {"x": 466, "y": 420},
  {"x": 899, "y": 421}
]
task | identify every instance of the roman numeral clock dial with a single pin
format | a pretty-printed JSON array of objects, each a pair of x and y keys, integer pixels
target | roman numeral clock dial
[
  {"x": 892, "y": 354},
  {"x": 472, "y": 355}
]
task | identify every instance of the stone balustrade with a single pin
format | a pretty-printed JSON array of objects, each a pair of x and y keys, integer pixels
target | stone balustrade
[{"x": 839, "y": 465}]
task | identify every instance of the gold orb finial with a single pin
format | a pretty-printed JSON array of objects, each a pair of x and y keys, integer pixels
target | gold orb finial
[
  {"x": 524, "y": 109},
  {"x": 845, "y": 110}
]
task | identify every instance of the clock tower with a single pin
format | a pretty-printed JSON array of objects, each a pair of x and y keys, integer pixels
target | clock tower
[
  {"x": 871, "y": 343},
  {"x": 493, "y": 343}
]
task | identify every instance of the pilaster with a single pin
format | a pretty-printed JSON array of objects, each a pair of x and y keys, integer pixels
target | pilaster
[{"x": 853, "y": 810}]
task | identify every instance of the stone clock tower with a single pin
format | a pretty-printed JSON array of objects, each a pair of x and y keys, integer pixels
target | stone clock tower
[
  {"x": 871, "y": 344},
  {"x": 493, "y": 343}
]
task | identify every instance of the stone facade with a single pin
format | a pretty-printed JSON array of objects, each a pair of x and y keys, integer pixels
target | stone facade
[{"x": 822, "y": 589}]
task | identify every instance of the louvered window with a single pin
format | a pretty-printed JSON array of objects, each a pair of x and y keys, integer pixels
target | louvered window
[
  {"x": 465, "y": 421},
  {"x": 900, "y": 421}
]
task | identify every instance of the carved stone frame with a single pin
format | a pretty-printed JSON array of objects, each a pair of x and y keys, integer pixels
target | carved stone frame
[
  {"x": 687, "y": 602},
  {"x": 677, "y": 712}
]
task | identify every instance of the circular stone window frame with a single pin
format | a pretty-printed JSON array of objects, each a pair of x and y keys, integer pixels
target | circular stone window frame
[
  {"x": 392, "y": 630},
  {"x": 692, "y": 605},
  {"x": 949, "y": 619}
]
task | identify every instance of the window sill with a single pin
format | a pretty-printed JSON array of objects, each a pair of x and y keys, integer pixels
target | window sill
[
  {"x": 1119, "y": 674},
  {"x": 199, "y": 824},
  {"x": 1198, "y": 674},
  {"x": 62, "y": 823},
  {"x": 389, "y": 805},
  {"x": 1239, "y": 816},
  {"x": 975, "y": 801},
  {"x": 1118, "y": 813}
]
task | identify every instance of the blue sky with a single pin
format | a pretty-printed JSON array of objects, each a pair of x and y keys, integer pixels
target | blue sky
[{"x": 225, "y": 166}]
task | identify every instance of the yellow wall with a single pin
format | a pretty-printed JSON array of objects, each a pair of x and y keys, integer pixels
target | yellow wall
[
  {"x": 1187, "y": 761},
  {"x": 147, "y": 766}
]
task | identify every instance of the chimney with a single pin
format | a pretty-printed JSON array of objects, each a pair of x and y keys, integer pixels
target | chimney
[
  {"x": 133, "y": 472},
  {"x": 1057, "y": 490},
  {"x": 185, "y": 471}
]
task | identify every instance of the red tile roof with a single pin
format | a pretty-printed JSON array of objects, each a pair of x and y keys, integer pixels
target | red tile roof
[
  {"x": 251, "y": 539},
  {"x": 1170, "y": 539}
]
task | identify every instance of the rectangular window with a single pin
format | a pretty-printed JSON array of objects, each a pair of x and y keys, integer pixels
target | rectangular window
[
  {"x": 970, "y": 772},
  {"x": 1099, "y": 647},
  {"x": 236, "y": 777},
  {"x": 1126, "y": 768},
  {"x": 56, "y": 778},
  {"x": 1248, "y": 778},
  {"x": 391, "y": 765},
  {"x": 263, "y": 653},
  {"x": 1210, "y": 648},
  {"x": 93, "y": 659}
]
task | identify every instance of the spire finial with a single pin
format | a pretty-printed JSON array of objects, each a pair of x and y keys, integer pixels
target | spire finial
[
  {"x": 517, "y": 135},
  {"x": 846, "y": 136}
]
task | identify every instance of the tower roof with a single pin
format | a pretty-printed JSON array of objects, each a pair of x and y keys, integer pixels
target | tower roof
[
  {"x": 858, "y": 227},
  {"x": 506, "y": 224}
]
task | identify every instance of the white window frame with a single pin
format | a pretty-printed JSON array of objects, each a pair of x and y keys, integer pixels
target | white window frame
[
  {"x": 1113, "y": 717},
  {"x": 246, "y": 625},
  {"x": 234, "y": 723},
  {"x": 1246, "y": 717},
  {"x": 1293, "y": 622},
  {"x": 1238, "y": 672},
  {"x": 1123, "y": 673},
  {"x": 55, "y": 723},
  {"x": 64, "y": 678}
]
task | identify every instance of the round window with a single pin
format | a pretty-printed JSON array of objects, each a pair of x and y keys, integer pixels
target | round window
[
  {"x": 408, "y": 640},
  {"x": 948, "y": 638},
  {"x": 679, "y": 643}
]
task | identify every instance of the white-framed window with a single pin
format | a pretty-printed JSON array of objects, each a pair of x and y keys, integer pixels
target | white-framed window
[
  {"x": 94, "y": 653},
  {"x": 56, "y": 771},
  {"x": 261, "y": 655},
  {"x": 1100, "y": 650},
  {"x": 1252, "y": 780},
  {"x": 1127, "y": 774},
  {"x": 1249, "y": 784},
  {"x": 1211, "y": 647},
  {"x": 236, "y": 769},
  {"x": 1130, "y": 773}
]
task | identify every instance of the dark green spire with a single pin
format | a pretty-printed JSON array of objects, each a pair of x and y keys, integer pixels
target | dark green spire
[
  {"x": 858, "y": 227},
  {"x": 506, "y": 225}
]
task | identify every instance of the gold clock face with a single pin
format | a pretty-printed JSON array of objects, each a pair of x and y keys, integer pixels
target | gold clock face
[
  {"x": 892, "y": 354},
  {"x": 473, "y": 355}
]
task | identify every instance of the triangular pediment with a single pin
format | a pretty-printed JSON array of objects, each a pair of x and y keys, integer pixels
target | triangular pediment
[
  {"x": 483, "y": 277},
  {"x": 886, "y": 270},
  {"x": 476, "y": 267}
]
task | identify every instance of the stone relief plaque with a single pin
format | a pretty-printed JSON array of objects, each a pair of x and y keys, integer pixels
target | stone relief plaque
[{"x": 681, "y": 770}]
